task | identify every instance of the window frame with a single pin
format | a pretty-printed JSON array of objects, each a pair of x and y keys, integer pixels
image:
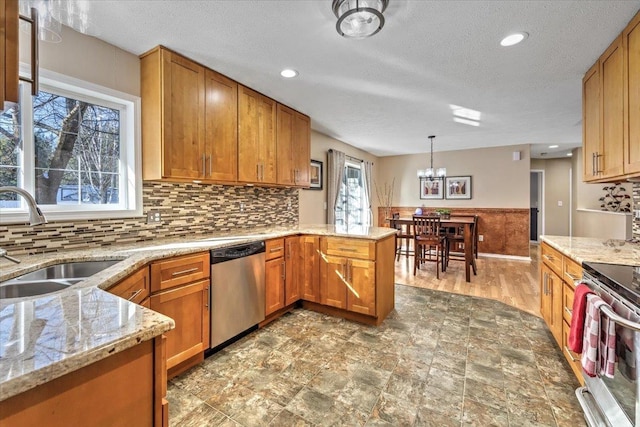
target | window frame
[{"x": 130, "y": 199}]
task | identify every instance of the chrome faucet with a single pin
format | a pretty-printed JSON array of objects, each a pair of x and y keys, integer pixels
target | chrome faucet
[{"x": 35, "y": 214}]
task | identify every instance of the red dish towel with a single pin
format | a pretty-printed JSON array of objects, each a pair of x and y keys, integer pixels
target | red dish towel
[
  {"x": 577, "y": 318},
  {"x": 599, "y": 346}
]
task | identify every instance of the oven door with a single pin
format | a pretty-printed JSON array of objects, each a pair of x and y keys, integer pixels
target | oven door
[{"x": 617, "y": 398}]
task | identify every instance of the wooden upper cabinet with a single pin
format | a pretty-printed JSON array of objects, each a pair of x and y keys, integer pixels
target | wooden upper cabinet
[
  {"x": 221, "y": 127},
  {"x": 173, "y": 129},
  {"x": 294, "y": 141},
  {"x": 612, "y": 76},
  {"x": 285, "y": 145},
  {"x": 256, "y": 137},
  {"x": 9, "y": 56},
  {"x": 302, "y": 149},
  {"x": 591, "y": 122},
  {"x": 631, "y": 46}
]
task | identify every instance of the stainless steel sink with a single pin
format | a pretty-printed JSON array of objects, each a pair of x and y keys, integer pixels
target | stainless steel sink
[{"x": 51, "y": 279}]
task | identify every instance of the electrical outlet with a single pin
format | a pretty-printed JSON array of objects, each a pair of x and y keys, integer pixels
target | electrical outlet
[
  {"x": 480, "y": 238},
  {"x": 241, "y": 207},
  {"x": 153, "y": 216},
  {"x": 289, "y": 205}
]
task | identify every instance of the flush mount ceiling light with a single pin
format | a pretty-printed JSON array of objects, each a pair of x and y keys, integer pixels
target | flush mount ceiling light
[
  {"x": 554, "y": 146},
  {"x": 288, "y": 73},
  {"x": 358, "y": 19},
  {"x": 430, "y": 172},
  {"x": 513, "y": 39}
]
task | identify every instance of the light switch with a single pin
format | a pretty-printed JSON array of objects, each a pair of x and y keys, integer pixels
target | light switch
[{"x": 559, "y": 202}]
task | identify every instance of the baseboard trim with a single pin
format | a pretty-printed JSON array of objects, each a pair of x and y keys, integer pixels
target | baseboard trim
[{"x": 512, "y": 257}]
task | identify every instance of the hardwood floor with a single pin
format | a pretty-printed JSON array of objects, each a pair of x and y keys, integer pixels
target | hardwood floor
[{"x": 513, "y": 282}]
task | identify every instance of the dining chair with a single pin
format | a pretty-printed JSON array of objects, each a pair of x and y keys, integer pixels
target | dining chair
[
  {"x": 403, "y": 233},
  {"x": 454, "y": 242},
  {"x": 427, "y": 237}
]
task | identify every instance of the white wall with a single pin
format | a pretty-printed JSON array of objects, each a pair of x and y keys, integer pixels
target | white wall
[
  {"x": 312, "y": 202},
  {"x": 497, "y": 180},
  {"x": 89, "y": 59}
]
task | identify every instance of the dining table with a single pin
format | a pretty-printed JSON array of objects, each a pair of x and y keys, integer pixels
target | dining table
[{"x": 467, "y": 223}]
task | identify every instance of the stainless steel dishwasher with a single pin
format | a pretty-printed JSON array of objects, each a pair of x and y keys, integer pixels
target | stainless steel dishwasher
[{"x": 237, "y": 290}]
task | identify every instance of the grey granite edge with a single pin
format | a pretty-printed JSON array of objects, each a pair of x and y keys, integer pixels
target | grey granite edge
[{"x": 22, "y": 383}]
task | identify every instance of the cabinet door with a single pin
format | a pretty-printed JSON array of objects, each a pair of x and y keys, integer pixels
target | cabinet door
[
  {"x": 285, "y": 145},
  {"x": 274, "y": 285},
  {"x": 221, "y": 127},
  {"x": 551, "y": 303},
  {"x": 333, "y": 288},
  {"x": 256, "y": 137},
  {"x": 631, "y": 42},
  {"x": 293, "y": 268},
  {"x": 301, "y": 150},
  {"x": 361, "y": 295},
  {"x": 310, "y": 268},
  {"x": 612, "y": 76},
  {"x": 183, "y": 92},
  {"x": 134, "y": 288},
  {"x": 545, "y": 299},
  {"x": 590, "y": 122},
  {"x": 188, "y": 306}
]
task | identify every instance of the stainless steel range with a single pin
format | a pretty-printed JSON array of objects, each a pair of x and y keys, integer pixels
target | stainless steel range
[{"x": 615, "y": 402}]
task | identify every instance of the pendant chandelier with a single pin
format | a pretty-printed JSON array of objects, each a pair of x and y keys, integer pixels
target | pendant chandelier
[
  {"x": 430, "y": 172},
  {"x": 358, "y": 19}
]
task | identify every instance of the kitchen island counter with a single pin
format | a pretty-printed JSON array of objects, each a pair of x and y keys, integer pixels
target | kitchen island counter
[{"x": 72, "y": 328}]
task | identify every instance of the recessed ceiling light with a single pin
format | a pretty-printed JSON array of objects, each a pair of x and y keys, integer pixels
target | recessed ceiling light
[
  {"x": 553, "y": 146},
  {"x": 465, "y": 113},
  {"x": 569, "y": 154},
  {"x": 514, "y": 38},
  {"x": 466, "y": 122},
  {"x": 288, "y": 73}
]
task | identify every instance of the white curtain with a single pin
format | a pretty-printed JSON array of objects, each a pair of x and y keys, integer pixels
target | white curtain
[
  {"x": 335, "y": 173},
  {"x": 366, "y": 185}
]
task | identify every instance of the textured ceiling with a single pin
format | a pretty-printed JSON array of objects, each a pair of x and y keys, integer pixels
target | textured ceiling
[{"x": 387, "y": 93}]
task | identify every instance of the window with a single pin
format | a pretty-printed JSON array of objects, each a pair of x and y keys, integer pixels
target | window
[
  {"x": 73, "y": 147},
  {"x": 352, "y": 207}
]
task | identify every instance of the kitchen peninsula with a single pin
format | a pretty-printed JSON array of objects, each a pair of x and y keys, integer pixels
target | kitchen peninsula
[{"x": 83, "y": 326}]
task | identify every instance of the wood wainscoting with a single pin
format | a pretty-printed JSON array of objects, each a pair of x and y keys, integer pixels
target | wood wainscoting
[{"x": 505, "y": 231}]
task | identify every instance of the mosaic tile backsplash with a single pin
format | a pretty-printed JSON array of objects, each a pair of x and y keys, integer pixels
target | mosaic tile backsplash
[
  {"x": 636, "y": 210},
  {"x": 186, "y": 209}
]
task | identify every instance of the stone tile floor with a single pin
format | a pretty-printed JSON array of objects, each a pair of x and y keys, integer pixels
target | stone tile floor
[{"x": 439, "y": 359}]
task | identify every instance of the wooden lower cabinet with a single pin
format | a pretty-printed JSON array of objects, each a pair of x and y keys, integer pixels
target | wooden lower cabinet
[
  {"x": 333, "y": 280},
  {"x": 361, "y": 295},
  {"x": 134, "y": 288},
  {"x": 556, "y": 300},
  {"x": 125, "y": 389},
  {"x": 551, "y": 301},
  {"x": 294, "y": 269},
  {"x": 274, "y": 285},
  {"x": 309, "y": 269},
  {"x": 188, "y": 306}
]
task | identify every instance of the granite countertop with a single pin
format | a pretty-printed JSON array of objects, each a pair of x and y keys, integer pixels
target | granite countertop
[
  {"x": 592, "y": 249},
  {"x": 47, "y": 336}
]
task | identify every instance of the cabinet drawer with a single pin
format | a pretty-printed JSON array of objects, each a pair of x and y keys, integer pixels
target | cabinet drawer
[
  {"x": 274, "y": 249},
  {"x": 350, "y": 248},
  {"x": 134, "y": 288},
  {"x": 572, "y": 271},
  {"x": 552, "y": 258},
  {"x": 567, "y": 302},
  {"x": 572, "y": 358},
  {"x": 178, "y": 271}
]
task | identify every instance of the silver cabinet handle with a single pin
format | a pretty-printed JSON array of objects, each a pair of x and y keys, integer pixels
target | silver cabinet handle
[
  {"x": 544, "y": 283},
  {"x": 566, "y": 349},
  {"x": 135, "y": 294},
  {"x": 257, "y": 171},
  {"x": 568, "y": 311},
  {"x": 279, "y": 248},
  {"x": 284, "y": 270},
  {"x": 208, "y": 297},
  {"x": 548, "y": 257},
  {"x": 210, "y": 164},
  {"x": 593, "y": 164},
  {"x": 178, "y": 273},
  {"x": 571, "y": 276},
  {"x": 204, "y": 164}
]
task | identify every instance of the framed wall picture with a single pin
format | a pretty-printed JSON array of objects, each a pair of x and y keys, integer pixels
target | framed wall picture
[
  {"x": 431, "y": 188},
  {"x": 458, "y": 187},
  {"x": 315, "y": 175}
]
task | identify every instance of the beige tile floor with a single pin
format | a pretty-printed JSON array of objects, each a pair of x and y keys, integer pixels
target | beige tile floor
[{"x": 440, "y": 359}]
